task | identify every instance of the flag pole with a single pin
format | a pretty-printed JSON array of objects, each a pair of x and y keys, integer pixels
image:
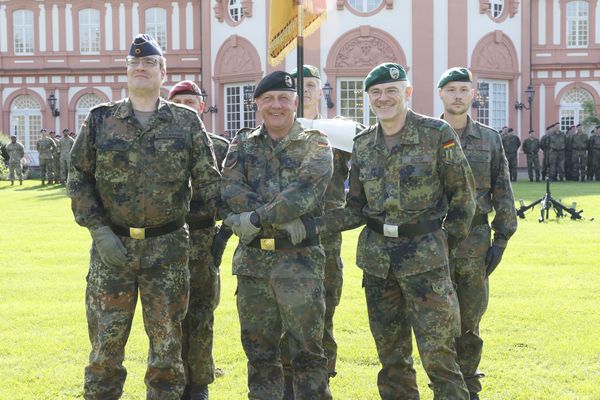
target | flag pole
[{"x": 300, "y": 59}]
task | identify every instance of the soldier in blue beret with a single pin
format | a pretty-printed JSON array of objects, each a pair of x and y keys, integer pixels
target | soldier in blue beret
[{"x": 134, "y": 167}]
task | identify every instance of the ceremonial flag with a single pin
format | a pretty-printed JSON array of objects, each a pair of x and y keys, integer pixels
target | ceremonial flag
[{"x": 283, "y": 25}]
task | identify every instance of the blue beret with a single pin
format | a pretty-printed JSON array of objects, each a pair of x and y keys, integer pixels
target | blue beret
[
  {"x": 278, "y": 80},
  {"x": 308, "y": 71},
  {"x": 456, "y": 74},
  {"x": 384, "y": 73},
  {"x": 145, "y": 45}
]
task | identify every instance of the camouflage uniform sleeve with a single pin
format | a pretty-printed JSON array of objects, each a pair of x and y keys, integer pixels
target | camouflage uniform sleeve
[
  {"x": 206, "y": 179},
  {"x": 459, "y": 186},
  {"x": 351, "y": 216},
  {"x": 236, "y": 194},
  {"x": 306, "y": 192},
  {"x": 505, "y": 221},
  {"x": 21, "y": 151},
  {"x": 81, "y": 184}
]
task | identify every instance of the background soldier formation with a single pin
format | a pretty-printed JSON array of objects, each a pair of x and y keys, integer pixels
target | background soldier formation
[
  {"x": 16, "y": 152},
  {"x": 511, "y": 143}
]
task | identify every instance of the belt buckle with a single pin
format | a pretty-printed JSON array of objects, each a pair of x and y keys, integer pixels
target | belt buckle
[
  {"x": 137, "y": 233},
  {"x": 390, "y": 230},
  {"x": 267, "y": 244}
]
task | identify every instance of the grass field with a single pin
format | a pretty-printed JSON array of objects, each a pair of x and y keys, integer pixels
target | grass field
[{"x": 541, "y": 329}]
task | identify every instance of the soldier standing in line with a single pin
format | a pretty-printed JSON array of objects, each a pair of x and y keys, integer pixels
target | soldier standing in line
[
  {"x": 478, "y": 255},
  {"x": 594, "y": 153},
  {"x": 579, "y": 153},
  {"x": 557, "y": 142},
  {"x": 65, "y": 144},
  {"x": 274, "y": 180},
  {"x": 531, "y": 148},
  {"x": 569, "y": 152},
  {"x": 16, "y": 152},
  {"x": 403, "y": 251},
  {"x": 334, "y": 198},
  {"x": 207, "y": 244},
  {"x": 511, "y": 143},
  {"x": 134, "y": 166},
  {"x": 56, "y": 158},
  {"x": 45, "y": 147},
  {"x": 544, "y": 146}
]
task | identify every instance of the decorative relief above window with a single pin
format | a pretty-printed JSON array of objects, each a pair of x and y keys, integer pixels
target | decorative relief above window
[
  {"x": 499, "y": 10},
  {"x": 364, "y": 7},
  {"x": 232, "y": 11}
]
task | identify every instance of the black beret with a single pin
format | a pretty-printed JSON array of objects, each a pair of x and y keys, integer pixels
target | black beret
[
  {"x": 42, "y": 130},
  {"x": 308, "y": 71},
  {"x": 384, "y": 73},
  {"x": 277, "y": 80},
  {"x": 456, "y": 74},
  {"x": 145, "y": 45},
  {"x": 510, "y": 130}
]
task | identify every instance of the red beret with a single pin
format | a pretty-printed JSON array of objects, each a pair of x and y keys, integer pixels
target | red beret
[{"x": 184, "y": 87}]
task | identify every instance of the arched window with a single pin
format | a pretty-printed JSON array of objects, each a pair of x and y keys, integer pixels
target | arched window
[
  {"x": 26, "y": 120},
  {"x": 156, "y": 25},
  {"x": 89, "y": 31},
  {"x": 364, "y": 6},
  {"x": 23, "y": 32},
  {"x": 235, "y": 10},
  {"x": 84, "y": 104},
  {"x": 577, "y": 23},
  {"x": 496, "y": 8},
  {"x": 571, "y": 107}
]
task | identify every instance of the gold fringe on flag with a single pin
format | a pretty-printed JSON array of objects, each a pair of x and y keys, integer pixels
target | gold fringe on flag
[{"x": 283, "y": 25}]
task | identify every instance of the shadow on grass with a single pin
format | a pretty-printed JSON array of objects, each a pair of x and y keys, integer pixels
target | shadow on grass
[{"x": 530, "y": 191}]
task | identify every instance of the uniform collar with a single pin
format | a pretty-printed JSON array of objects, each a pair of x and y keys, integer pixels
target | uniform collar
[
  {"x": 409, "y": 134},
  {"x": 125, "y": 110}
]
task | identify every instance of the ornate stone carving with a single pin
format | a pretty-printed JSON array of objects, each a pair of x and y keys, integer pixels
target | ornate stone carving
[
  {"x": 247, "y": 8},
  {"x": 218, "y": 8},
  {"x": 495, "y": 56},
  {"x": 236, "y": 60},
  {"x": 513, "y": 7},
  {"x": 363, "y": 52},
  {"x": 340, "y": 4},
  {"x": 389, "y": 4},
  {"x": 484, "y": 6}
]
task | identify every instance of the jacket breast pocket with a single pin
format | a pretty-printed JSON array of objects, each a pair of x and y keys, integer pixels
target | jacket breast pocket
[
  {"x": 480, "y": 166},
  {"x": 172, "y": 157},
  {"x": 417, "y": 186},
  {"x": 112, "y": 155},
  {"x": 372, "y": 180}
]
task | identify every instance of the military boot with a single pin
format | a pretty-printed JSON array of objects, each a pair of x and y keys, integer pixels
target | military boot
[
  {"x": 12, "y": 183},
  {"x": 43, "y": 182},
  {"x": 21, "y": 182},
  {"x": 473, "y": 396},
  {"x": 199, "y": 392}
]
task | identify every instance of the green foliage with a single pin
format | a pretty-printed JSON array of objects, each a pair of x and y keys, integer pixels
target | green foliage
[
  {"x": 540, "y": 330},
  {"x": 4, "y": 140},
  {"x": 589, "y": 110}
]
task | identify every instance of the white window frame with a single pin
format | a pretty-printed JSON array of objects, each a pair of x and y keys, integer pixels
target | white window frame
[
  {"x": 23, "y": 30},
  {"x": 574, "y": 107},
  {"x": 497, "y": 8},
  {"x": 362, "y": 111},
  {"x": 89, "y": 31},
  {"x": 494, "y": 103},
  {"x": 364, "y": 6},
  {"x": 234, "y": 7},
  {"x": 82, "y": 110},
  {"x": 156, "y": 25},
  {"x": 239, "y": 113},
  {"x": 578, "y": 26}
]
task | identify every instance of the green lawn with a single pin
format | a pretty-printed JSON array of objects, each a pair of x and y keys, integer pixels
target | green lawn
[{"x": 541, "y": 329}]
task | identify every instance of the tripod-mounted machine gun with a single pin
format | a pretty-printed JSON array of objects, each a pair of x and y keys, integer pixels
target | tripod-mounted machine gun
[{"x": 547, "y": 202}]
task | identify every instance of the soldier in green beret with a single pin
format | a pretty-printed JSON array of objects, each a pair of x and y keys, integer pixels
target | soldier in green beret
[
  {"x": 65, "y": 143},
  {"x": 531, "y": 148},
  {"x": 476, "y": 257},
  {"x": 16, "y": 152},
  {"x": 56, "y": 158},
  {"x": 409, "y": 178},
  {"x": 274, "y": 180},
  {"x": 45, "y": 147},
  {"x": 134, "y": 167}
]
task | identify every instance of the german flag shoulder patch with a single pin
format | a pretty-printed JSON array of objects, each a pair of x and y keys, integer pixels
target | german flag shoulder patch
[{"x": 448, "y": 144}]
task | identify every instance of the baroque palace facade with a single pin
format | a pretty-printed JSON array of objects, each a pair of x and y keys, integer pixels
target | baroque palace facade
[{"x": 59, "y": 58}]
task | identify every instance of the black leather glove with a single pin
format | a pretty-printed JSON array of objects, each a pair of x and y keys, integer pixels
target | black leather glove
[
  {"x": 219, "y": 243},
  {"x": 492, "y": 258},
  {"x": 109, "y": 247}
]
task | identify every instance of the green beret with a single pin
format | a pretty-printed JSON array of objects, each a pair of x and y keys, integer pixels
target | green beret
[
  {"x": 308, "y": 71},
  {"x": 384, "y": 73},
  {"x": 277, "y": 80},
  {"x": 456, "y": 74}
]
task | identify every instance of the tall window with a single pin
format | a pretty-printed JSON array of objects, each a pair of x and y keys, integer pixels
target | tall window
[
  {"x": 496, "y": 8},
  {"x": 235, "y": 10},
  {"x": 364, "y": 6},
  {"x": 156, "y": 25},
  {"x": 577, "y": 23},
  {"x": 26, "y": 121},
  {"x": 89, "y": 31},
  {"x": 353, "y": 103},
  {"x": 239, "y": 112},
  {"x": 493, "y": 103},
  {"x": 84, "y": 104},
  {"x": 571, "y": 108},
  {"x": 23, "y": 32}
]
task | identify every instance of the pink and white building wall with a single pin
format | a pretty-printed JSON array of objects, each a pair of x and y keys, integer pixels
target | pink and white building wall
[{"x": 75, "y": 50}]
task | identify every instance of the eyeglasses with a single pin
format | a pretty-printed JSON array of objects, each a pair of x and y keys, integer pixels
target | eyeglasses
[{"x": 146, "y": 62}]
